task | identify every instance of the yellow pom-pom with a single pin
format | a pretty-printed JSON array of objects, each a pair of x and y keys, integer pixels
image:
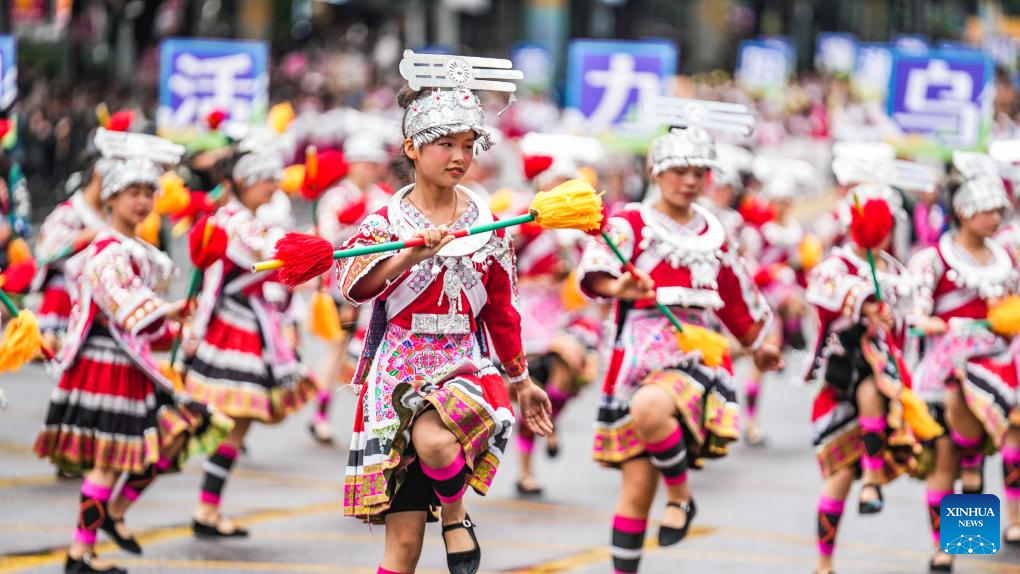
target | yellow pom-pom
[
  {"x": 810, "y": 252},
  {"x": 172, "y": 375},
  {"x": 280, "y": 116},
  {"x": 18, "y": 252},
  {"x": 324, "y": 320},
  {"x": 917, "y": 417},
  {"x": 293, "y": 178},
  {"x": 1004, "y": 318},
  {"x": 22, "y": 342},
  {"x": 149, "y": 228},
  {"x": 712, "y": 345},
  {"x": 501, "y": 200},
  {"x": 570, "y": 205},
  {"x": 570, "y": 293},
  {"x": 173, "y": 196}
]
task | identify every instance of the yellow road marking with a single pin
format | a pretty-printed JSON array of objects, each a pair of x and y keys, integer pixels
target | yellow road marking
[{"x": 238, "y": 566}]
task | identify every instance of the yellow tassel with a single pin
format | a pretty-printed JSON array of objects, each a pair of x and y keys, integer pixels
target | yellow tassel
[
  {"x": 810, "y": 252},
  {"x": 148, "y": 229},
  {"x": 590, "y": 175},
  {"x": 280, "y": 116},
  {"x": 917, "y": 417},
  {"x": 570, "y": 294},
  {"x": 324, "y": 321},
  {"x": 1004, "y": 317},
  {"x": 181, "y": 227},
  {"x": 171, "y": 373},
  {"x": 293, "y": 178},
  {"x": 570, "y": 205},
  {"x": 712, "y": 345},
  {"x": 173, "y": 196},
  {"x": 501, "y": 200},
  {"x": 22, "y": 342},
  {"x": 18, "y": 252},
  {"x": 103, "y": 114}
]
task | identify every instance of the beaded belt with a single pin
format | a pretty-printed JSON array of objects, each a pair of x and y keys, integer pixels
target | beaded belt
[{"x": 440, "y": 323}]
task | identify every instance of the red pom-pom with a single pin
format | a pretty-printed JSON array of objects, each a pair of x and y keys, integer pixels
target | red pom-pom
[
  {"x": 18, "y": 278},
  {"x": 204, "y": 254},
  {"x": 871, "y": 223},
  {"x": 121, "y": 121},
  {"x": 353, "y": 213},
  {"x": 215, "y": 118},
  {"x": 5, "y": 127},
  {"x": 304, "y": 257},
  {"x": 756, "y": 212},
  {"x": 331, "y": 168},
  {"x": 536, "y": 164},
  {"x": 199, "y": 205}
]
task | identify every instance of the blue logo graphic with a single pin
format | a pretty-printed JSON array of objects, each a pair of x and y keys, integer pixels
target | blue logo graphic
[{"x": 969, "y": 524}]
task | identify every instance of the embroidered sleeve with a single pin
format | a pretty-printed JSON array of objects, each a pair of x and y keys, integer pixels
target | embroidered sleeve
[
  {"x": 57, "y": 232},
  {"x": 374, "y": 230},
  {"x": 123, "y": 296},
  {"x": 599, "y": 258},
  {"x": 744, "y": 312},
  {"x": 501, "y": 314},
  {"x": 926, "y": 268},
  {"x": 832, "y": 287},
  {"x": 251, "y": 239}
]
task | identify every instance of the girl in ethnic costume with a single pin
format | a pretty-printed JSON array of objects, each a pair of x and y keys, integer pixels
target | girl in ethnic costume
[
  {"x": 113, "y": 413},
  {"x": 966, "y": 372},
  {"x": 664, "y": 409},
  {"x": 243, "y": 364},
  {"x": 854, "y": 432},
  {"x": 434, "y": 416}
]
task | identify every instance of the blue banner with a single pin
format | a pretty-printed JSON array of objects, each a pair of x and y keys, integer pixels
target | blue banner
[
  {"x": 871, "y": 72},
  {"x": 606, "y": 80},
  {"x": 765, "y": 65},
  {"x": 946, "y": 95},
  {"x": 201, "y": 75},
  {"x": 8, "y": 72},
  {"x": 836, "y": 52}
]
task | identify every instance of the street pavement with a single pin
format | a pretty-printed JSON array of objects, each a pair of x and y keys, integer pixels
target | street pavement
[{"x": 756, "y": 507}]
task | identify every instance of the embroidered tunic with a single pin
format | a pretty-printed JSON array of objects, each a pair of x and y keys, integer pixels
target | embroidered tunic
[
  {"x": 701, "y": 278},
  {"x": 428, "y": 346}
]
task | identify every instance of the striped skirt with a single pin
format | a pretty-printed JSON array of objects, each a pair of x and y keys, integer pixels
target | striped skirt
[
  {"x": 55, "y": 307},
  {"x": 244, "y": 368},
  {"x": 106, "y": 413}
]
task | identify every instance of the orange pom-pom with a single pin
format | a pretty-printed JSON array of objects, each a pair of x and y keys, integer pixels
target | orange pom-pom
[
  {"x": 207, "y": 244},
  {"x": 871, "y": 224},
  {"x": 304, "y": 257}
]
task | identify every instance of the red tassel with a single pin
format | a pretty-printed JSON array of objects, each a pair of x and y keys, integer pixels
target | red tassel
[
  {"x": 871, "y": 223},
  {"x": 199, "y": 204},
  {"x": 536, "y": 164},
  {"x": 215, "y": 118},
  {"x": 18, "y": 278},
  {"x": 5, "y": 126},
  {"x": 121, "y": 121},
  {"x": 756, "y": 212},
  {"x": 304, "y": 257},
  {"x": 353, "y": 213},
  {"x": 202, "y": 256},
  {"x": 331, "y": 168}
]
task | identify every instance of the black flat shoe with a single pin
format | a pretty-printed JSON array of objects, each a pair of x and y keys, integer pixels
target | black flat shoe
[
  {"x": 463, "y": 562},
  {"x": 84, "y": 566},
  {"x": 981, "y": 485},
  {"x": 933, "y": 567},
  {"x": 668, "y": 535},
  {"x": 525, "y": 491},
  {"x": 325, "y": 440},
  {"x": 109, "y": 526},
  {"x": 212, "y": 531},
  {"x": 552, "y": 451},
  {"x": 871, "y": 506}
]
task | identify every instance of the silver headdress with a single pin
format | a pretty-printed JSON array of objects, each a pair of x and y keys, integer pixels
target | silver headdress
[
  {"x": 260, "y": 159},
  {"x": 982, "y": 189},
  {"x": 114, "y": 146},
  {"x": 123, "y": 173},
  {"x": 688, "y": 143},
  {"x": 784, "y": 177},
  {"x": 457, "y": 109},
  {"x": 855, "y": 163}
]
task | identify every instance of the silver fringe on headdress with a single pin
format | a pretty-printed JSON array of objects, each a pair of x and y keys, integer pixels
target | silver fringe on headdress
[
  {"x": 260, "y": 159},
  {"x": 457, "y": 110},
  {"x": 982, "y": 189},
  {"x": 123, "y": 173}
]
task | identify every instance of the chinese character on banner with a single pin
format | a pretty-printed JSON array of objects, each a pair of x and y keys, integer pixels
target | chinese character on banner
[
  {"x": 871, "y": 72},
  {"x": 199, "y": 76},
  {"x": 944, "y": 94},
  {"x": 764, "y": 65},
  {"x": 8, "y": 72},
  {"x": 609, "y": 80},
  {"x": 836, "y": 53}
]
